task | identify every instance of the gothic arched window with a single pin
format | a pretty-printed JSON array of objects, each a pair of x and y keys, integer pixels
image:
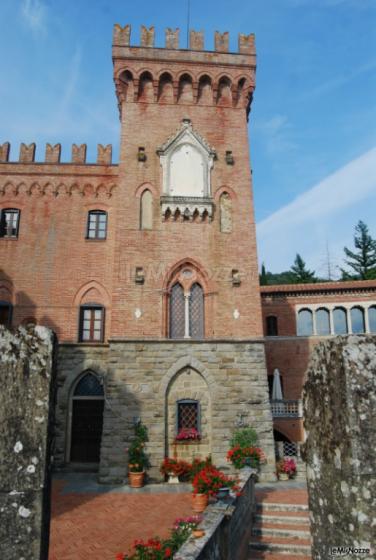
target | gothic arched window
[
  {"x": 187, "y": 317},
  {"x": 177, "y": 312},
  {"x": 146, "y": 210},
  {"x": 196, "y": 312}
]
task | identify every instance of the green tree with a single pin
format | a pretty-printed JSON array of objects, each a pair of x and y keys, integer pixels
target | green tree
[
  {"x": 263, "y": 276},
  {"x": 300, "y": 273},
  {"x": 363, "y": 261}
]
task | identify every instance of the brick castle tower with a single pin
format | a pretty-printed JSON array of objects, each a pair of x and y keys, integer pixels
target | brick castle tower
[{"x": 147, "y": 270}]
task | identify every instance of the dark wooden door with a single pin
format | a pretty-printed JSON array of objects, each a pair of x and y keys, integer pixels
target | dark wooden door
[{"x": 87, "y": 423}]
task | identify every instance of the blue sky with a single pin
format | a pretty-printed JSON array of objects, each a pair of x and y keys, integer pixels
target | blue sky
[{"x": 313, "y": 119}]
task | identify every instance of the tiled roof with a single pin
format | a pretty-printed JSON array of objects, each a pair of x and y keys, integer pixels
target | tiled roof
[{"x": 356, "y": 286}]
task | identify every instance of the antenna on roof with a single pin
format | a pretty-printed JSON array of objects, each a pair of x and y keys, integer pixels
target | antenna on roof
[{"x": 188, "y": 18}]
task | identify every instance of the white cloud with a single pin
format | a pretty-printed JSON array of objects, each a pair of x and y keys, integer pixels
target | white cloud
[
  {"x": 277, "y": 133},
  {"x": 34, "y": 14},
  {"x": 325, "y": 213}
]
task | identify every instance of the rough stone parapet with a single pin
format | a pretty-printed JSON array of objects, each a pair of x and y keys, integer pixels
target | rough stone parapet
[
  {"x": 227, "y": 525},
  {"x": 340, "y": 451},
  {"x": 26, "y": 413}
]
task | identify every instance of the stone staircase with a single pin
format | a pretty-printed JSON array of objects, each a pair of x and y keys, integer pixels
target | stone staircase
[{"x": 281, "y": 531}]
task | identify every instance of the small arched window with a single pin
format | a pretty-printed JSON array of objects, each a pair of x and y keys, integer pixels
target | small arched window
[
  {"x": 305, "y": 322},
  {"x": 177, "y": 312},
  {"x": 88, "y": 386},
  {"x": 357, "y": 320},
  {"x": 91, "y": 323},
  {"x": 225, "y": 209},
  {"x": 322, "y": 322},
  {"x": 271, "y": 326},
  {"x": 9, "y": 222},
  {"x": 146, "y": 210},
  {"x": 372, "y": 318},
  {"x": 340, "y": 321},
  {"x": 196, "y": 312},
  {"x": 97, "y": 224},
  {"x": 5, "y": 313}
]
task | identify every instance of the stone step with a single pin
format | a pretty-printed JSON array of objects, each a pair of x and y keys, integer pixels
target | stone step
[
  {"x": 270, "y": 506},
  {"x": 268, "y": 555},
  {"x": 281, "y": 532},
  {"x": 280, "y": 546},
  {"x": 282, "y": 519}
]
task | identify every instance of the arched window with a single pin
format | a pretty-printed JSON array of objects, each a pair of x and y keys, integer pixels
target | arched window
[
  {"x": 146, "y": 210},
  {"x": 340, "y": 321},
  {"x": 126, "y": 84},
  {"x": 187, "y": 317},
  {"x": 5, "y": 313},
  {"x": 372, "y": 318},
  {"x": 224, "y": 92},
  {"x": 271, "y": 326},
  {"x": 9, "y": 222},
  {"x": 225, "y": 209},
  {"x": 322, "y": 322},
  {"x": 87, "y": 419},
  {"x": 97, "y": 224},
  {"x": 357, "y": 320},
  {"x": 196, "y": 312},
  {"x": 91, "y": 323},
  {"x": 177, "y": 312},
  {"x": 188, "y": 415},
  {"x": 305, "y": 322}
]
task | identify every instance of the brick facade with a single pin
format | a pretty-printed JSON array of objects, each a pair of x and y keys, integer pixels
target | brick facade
[{"x": 183, "y": 114}]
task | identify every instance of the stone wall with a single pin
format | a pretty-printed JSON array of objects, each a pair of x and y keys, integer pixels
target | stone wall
[
  {"x": 139, "y": 379},
  {"x": 227, "y": 526},
  {"x": 26, "y": 408},
  {"x": 340, "y": 451}
]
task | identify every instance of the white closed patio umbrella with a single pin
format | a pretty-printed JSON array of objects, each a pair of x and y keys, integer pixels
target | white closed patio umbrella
[{"x": 277, "y": 394}]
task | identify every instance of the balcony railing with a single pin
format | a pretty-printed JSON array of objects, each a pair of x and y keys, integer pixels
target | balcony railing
[{"x": 287, "y": 408}]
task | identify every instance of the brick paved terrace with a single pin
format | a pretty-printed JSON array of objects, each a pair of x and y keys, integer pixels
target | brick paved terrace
[{"x": 96, "y": 522}]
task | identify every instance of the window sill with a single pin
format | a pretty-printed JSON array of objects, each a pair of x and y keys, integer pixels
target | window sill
[
  {"x": 94, "y": 239},
  {"x": 9, "y": 238}
]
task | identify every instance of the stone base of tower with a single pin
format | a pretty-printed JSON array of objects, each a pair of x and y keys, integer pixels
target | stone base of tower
[{"x": 148, "y": 381}]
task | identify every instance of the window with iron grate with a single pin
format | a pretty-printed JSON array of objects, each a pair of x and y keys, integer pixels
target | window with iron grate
[
  {"x": 196, "y": 312},
  {"x": 89, "y": 386},
  {"x": 188, "y": 415}
]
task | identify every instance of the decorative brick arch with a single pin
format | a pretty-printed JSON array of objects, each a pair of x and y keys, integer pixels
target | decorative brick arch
[
  {"x": 89, "y": 286},
  {"x": 146, "y": 187},
  {"x": 224, "y": 189}
]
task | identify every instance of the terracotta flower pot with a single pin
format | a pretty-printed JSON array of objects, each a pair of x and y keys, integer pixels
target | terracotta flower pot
[
  {"x": 136, "y": 479},
  {"x": 283, "y": 476},
  {"x": 200, "y": 501},
  {"x": 198, "y": 533}
]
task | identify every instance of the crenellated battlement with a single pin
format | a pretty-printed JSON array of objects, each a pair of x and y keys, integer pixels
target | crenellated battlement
[
  {"x": 122, "y": 38},
  {"x": 190, "y": 76},
  {"x": 53, "y": 154}
]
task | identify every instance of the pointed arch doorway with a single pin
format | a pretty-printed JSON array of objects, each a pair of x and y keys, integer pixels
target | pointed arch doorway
[{"x": 86, "y": 419}]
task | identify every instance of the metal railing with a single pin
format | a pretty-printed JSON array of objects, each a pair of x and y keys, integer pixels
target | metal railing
[{"x": 287, "y": 408}]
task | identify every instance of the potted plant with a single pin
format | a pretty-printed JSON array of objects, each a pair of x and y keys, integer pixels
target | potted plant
[
  {"x": 286, "y": 468},
  {"x": 208, "y": 482},
  {"x": 246, "y": 456},
  {"x": 137, "y": 458},
  {"x": 188, "y": 434},
  {"x": 174, "y": 468}
]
